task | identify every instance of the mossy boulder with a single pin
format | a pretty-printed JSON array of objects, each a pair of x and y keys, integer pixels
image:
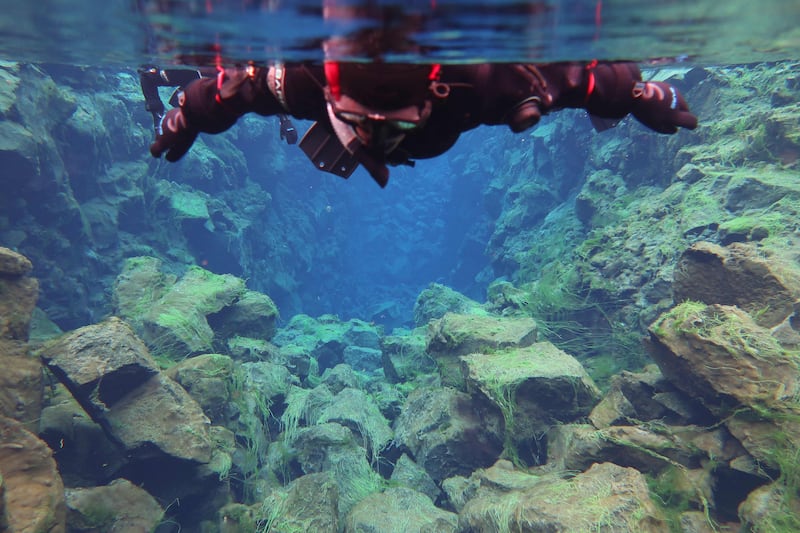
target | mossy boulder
[
  {"x": 139, "y": 285},
  {"x": 450, "y": 432},
  {"x": 456, "y": 334},
  {"x": 100, "y": 364},
  {"x": 408, "y": 473},
  {"x": 326, "y": 338},
  {"x": 646, "y": 395},
  {"x": 356, "y": 410},
  {"x": 771, "y": 508},
  {"x": 207, "y": 379},
  {"x": 437, "y": 299},
  {"x": 400, "y": 510},
  {"x": 308, "y": 503},
  {"x": 252, "y": 315},
  {"x": 404, "y": 356},
  {"x": 330, "y": 447},
  {"x": 607, "y": 497},
  {"x": 176, "y": 325},
  {"x": 118, "y": 505},
  {"x": 534, "y": 387},
  {"x": 737, "y": 369}
]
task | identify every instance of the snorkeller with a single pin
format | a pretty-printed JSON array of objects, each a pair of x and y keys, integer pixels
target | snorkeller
[{"x": 378, "y": 114}]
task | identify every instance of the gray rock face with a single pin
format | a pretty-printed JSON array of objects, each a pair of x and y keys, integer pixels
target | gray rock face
[
  {"x": 449, "y": 432},
  {"x": 737, "y": 275},
  {"x": 162, "y": 430},
  {"x": 160, "y": 420},
  {"x": 118, "y": 506},
  {"x": 100, "y": 364}
]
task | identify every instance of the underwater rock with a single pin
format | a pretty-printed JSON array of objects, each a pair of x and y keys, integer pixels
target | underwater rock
[
  {"x": 502, "y": 476},
  {"x": 404, "y": 356},
  {"x": 252, "y": 315},
  {"x": 160, "y": 420},
  {"x": 183, "y": 317},
  {"x": 253, "y": 350},
  {"x": 534, "y": 387},
  {"x": 448, "y": 432},
  {"x": 20, "y": 384},
  {"x": 537, "y": 382},
  {"x": 13, "y": 264},
  {"x": 646, "y": 395},
  {"x": 719, "y": 354},
  {"x": 19, "y": 294},
  {"x": 649, "y": 448},
  {"x": 362, "y": 359},
  {"x": 437, "y": 299},
  {"x": 206, "y": 378},
  {"x": 737, "y": 275},
  {"x": 340, "y": 377},
  {"x": 770, "y": 508},
  {"x": 605, "y": 497},
  {"x": 363, "y": 334},
  {"x": 118, "y": 506},
  {"x": 598, "y": 194},
  {"x": 100, "y": 364},
  {"x": 356, "y": 410},
  {"x": 332, "y": 448},
  {"x": 32, "y": 487},
  {"x": 176, "y": 325},
  {"x": 315, "y": 445},
  {"x": 139, "y": 285},
  {"x": 736, "y": 368},
  {"x": 399, "y": 510},
  {"x": 308, "y": 503},
  {"x": 326, "y": 338},
  {"x": 255, "y": 388},
  {"x": 409, "y": 474},
  {"x": 454, "y": 335},
  {"x": 160, "y": 427},
  {"x": 86, "y": 456}
]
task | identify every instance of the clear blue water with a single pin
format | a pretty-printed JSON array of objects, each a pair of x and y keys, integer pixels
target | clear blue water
[
  {"x": 130, "y": 32},
  {"x": 380, "y": 247}
]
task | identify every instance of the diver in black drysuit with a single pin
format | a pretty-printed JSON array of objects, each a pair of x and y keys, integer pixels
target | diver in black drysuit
[{"x": 378, "y": 114}]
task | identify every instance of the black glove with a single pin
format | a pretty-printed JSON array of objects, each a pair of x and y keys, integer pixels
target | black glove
[
  {"x": 660, "y": 107},
  {"x": 174, "y": 135},
  {"x": 287, "y": 130}
]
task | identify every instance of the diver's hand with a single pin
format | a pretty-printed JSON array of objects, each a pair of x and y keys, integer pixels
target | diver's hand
[
  {"x": 660, "y": 107},
  {"x": 174, "y": 136}
]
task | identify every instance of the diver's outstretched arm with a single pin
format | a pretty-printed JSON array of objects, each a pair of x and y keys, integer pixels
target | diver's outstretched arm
[
  {"x": 519, "y": 94},
  {"x": 214, "y": 104}
]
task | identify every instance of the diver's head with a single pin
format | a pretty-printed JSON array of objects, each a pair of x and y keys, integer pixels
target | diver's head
[{"x": 378, "y": 103}]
